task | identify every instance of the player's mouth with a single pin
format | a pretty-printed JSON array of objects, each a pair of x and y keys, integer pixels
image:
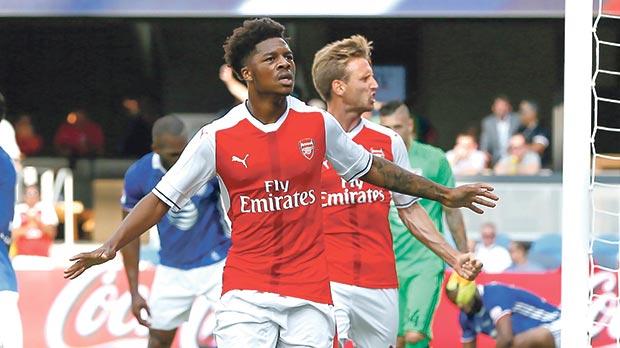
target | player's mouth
[{"x": 286, "y": 78}]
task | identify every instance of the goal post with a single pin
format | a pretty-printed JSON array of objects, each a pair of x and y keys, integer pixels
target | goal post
[{"x": 576, "y": 172}]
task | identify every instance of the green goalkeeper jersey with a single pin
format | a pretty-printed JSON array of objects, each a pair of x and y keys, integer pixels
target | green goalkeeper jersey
[{"x": 413, "y": 257}]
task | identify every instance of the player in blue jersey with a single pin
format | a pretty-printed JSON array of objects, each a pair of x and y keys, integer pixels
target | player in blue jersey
[
  {"x": 512, "y": 316},
  {"x": 194, "y": 241},
  {"x": 10, "y": 320}
]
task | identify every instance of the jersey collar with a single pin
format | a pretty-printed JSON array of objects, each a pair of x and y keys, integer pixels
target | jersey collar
[
  {"x": 357, "y": 129},
  {"x": 270, "y": 127},
  {"x": 156, "y": 163}
]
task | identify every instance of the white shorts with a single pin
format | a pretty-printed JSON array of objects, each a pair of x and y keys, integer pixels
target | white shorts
[
  {"x": 10, "y": 321},
  {"x": 555, "y": 329},
  {"x": 249, "y": 318},
  {"x": 367, "y": 316},
  {"x": 174, "y": 290}
]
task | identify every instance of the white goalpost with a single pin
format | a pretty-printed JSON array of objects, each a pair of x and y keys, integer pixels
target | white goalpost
[{"x": 576, "y": 173}]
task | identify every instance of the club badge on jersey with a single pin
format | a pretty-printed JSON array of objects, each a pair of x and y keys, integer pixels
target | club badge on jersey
[{"x": 306, "y": 146}]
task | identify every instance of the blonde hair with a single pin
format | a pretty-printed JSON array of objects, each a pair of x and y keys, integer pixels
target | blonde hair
[{"x": 330, "y": 62}]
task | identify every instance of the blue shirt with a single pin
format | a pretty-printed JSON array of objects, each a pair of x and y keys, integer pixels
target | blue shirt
[
  {"x": 528, "y": 311},
  {"x": 7, "y": 208},
  {"x": 193, "y": 237}
]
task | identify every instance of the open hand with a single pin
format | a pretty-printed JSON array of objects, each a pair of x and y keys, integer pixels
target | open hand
[
  {"x": 467, "y": 266},
  {"x": 467, "y": 195},
  {"x": 84, "y": 261}
]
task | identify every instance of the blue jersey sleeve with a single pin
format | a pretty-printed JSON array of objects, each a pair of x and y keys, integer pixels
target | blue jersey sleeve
[
  {"x": 467, "y": 326},
  {"x": 7, "y": 195},
  {"x": 133, "y": 189},
  {"x": 499, "y": 301}
]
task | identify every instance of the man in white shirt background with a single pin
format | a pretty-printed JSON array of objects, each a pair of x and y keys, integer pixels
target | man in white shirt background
[{"x": 495, "y": 258}]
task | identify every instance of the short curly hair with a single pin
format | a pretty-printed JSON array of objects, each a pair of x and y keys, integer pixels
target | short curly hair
[{"x": 243, "y": 41}]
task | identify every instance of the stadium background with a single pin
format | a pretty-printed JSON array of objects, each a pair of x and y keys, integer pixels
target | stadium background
[{"x": 56, "y": 55}]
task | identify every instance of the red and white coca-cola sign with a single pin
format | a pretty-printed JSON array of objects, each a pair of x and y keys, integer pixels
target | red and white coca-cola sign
[{"x": 94, "y": 310}]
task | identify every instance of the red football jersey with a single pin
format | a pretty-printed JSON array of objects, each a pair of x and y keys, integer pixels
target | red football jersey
[
  {"x": 355, "y": 215},
  {"x": 270, "y": 178}
]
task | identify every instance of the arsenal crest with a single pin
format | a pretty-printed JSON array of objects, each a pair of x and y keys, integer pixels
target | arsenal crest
[
  {"x": 377, "y": 152},
  {"x": 306, "y": 146}
]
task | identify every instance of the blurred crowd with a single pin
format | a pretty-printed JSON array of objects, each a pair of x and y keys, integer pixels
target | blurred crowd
[{"x": 78, "y": 136}]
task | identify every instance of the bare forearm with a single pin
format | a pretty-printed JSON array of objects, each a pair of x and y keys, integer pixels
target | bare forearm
[
  {"x": 237, "y": 89},
  {"x": 503, "y": 343},
  {"x": 144, "y": 215},
  {"x": 131, "y": 257},
  {"x": 386, "y": 174},
  {"x": 454, "y": 218},
  {"x": 421, "y": 226},
  {"x": 471, "y": 344}
]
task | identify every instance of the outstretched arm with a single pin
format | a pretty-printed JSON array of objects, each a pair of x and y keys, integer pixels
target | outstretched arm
[
  {"x": 419, "y": 223},
  {"x": 146, "y": 214},
  {"x": 390, "y": 176},
  {"x": 454, "y": 218},
  {"x": 131, "y": 258}
]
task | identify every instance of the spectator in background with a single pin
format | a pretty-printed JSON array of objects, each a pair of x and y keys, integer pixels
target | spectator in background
[
  {"x": 34, "y": 224},
  {"x": 79, "y": 137},
  {"x": 497, "y": 129},
  {"x": 536, "y": 136},
  {"x": 137, "y": 139},
  {"x": 520, "y": 159},
  {"x": 520, "y": 263},
  {"x": 495, "y": 258},
  {"x": 465, "y": 158},
  {"x": 30, "y": 143},
  {"x": 7, "y": 136}
]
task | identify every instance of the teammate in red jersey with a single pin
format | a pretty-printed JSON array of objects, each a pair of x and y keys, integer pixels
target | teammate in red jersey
[
  {"x": 358, "y": 240},
  {"x": 268, "y": 154}
]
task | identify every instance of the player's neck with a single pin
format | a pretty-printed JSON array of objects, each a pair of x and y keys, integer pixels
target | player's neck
[
  {"x": 267, "y": 108},
  {"x": 347, "y": 118}
]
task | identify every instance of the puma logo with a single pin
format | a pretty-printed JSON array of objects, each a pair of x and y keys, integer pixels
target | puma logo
[{"x": 242, "y": 161}]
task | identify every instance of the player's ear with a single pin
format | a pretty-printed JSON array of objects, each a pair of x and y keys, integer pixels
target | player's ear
[
  {"x": 246, "y": 74},
  {"x": 338, "y": 87}
]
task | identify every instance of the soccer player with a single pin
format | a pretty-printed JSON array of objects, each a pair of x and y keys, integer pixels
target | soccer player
[
  {"x": 512, "y": 316},
  {"x": 267, "y": 154},
  {"x": 194, "y": 240},
  {"x": 420, "y": 272},
  {"x": 10, "y": 320},
  {"x": 355, "y": 214}
]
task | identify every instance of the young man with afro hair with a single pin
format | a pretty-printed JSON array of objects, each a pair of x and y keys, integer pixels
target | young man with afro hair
[{"x": 267, "y": 154}]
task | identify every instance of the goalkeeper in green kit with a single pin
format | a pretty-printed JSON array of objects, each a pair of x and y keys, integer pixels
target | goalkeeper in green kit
[{"x": 420, "y": 271}]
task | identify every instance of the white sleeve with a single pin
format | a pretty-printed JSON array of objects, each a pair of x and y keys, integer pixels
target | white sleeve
[
  {"x": 401, "y": 159},
  {"x": 8, "y": 141},
  {"x": 193, "y": 169},
  {"x": 350, "y": 160},
  {"x": 17, "y": 217}
]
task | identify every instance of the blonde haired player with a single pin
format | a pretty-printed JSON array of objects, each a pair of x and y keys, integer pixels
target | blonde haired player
[{"x": 355, "y": 214}]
